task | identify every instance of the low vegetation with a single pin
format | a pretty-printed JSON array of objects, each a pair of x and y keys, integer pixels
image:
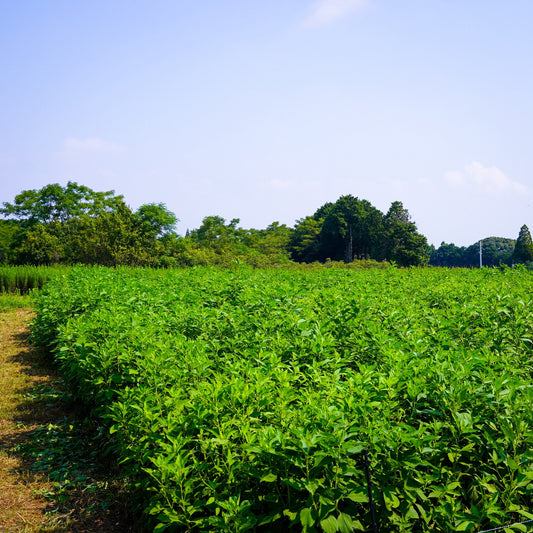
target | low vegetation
[{"x": 243, "y": 400}]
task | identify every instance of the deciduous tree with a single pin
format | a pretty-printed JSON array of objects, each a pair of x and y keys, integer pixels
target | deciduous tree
[
  {"x": 155, "y": 220},
  {"x": 54, "y": 203}
]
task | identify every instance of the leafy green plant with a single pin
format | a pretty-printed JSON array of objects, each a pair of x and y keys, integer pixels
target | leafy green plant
[{"x": 241, "y": 399}]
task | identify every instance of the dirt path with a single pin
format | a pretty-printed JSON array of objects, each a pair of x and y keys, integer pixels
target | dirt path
[
  {"x": 20, "y": 508},
  {"x": 24, "y": 372}
]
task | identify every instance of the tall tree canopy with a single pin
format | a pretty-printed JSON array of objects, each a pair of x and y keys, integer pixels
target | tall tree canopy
[
  {"x": 403, "y": 244},
  {"x": 74, "y": 224},
  {"x": 54, "y": 203},
  {"x": 304, "y": 243},
  {"x": 523, "y": 252},
  {"x": 272, "y": 241},
  {"x": 215, "y": 233},
  {"x": 352, "y": 228},
  {"x": 155, "y": 220}
]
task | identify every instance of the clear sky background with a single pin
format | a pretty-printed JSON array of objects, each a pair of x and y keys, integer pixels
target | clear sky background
[{"x": 266, "y": 110}]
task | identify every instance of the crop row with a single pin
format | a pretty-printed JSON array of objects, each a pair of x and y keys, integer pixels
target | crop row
[{"x": 242, "y": 400}]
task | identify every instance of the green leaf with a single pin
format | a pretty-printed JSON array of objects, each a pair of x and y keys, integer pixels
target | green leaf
[
  {"x": 512, "y": 464},
  {"x": 391, "y": 500},
  {"x": 290, "y": 514},
  {"x": 345, "y": 523},
  {"x": 306, "y": 517},
  {"x": 360, "y": 496},
  {"x": 490, "y": 488},
  {"x": 464, "y": 421},
  {"x": 465, "y": 525},
  {"x": 269, "y": 478},
  {"x": 329, "y": 524},
  {"x": 525, "y": 513},
  {"x": 312, "y": 486},
  {"x": 411, "y": 514},
  {"x": 516, "y": 527},
  {"x": 354, "y": 450}
]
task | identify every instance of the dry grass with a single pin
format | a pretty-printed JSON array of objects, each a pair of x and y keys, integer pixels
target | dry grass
[
  {"x": 23, "y": 505},
  {"x": 20, "y": 508}
]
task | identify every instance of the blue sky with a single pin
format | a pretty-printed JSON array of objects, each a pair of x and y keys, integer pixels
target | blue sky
[{"x": 265, "y": 111}]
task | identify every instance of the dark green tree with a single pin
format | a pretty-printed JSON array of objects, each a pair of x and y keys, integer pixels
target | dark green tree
[
  {"x": 449, "y": 255},
  {"x": 42, "y": 244},
  {"x": 352, "y": 229},
  {"x": 402, "y": 242},
  {"x": 523, "y": 251},
  {"x": 305, "y": 240},
  {"x": 8, "y": 233},
  {"x": 497, "y": 251},
  {"x": 112, "y": 238}
]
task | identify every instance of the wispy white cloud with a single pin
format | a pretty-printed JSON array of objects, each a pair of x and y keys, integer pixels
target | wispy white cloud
[
  {"x": 326, "y": 11},
  {"x": 91, "y": 145},
  {"x": 490, "y": 180}
]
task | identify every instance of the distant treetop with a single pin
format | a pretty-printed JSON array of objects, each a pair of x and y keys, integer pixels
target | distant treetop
[
  {"x": 523, "y": 252},
  {"x": 54, "y": 203}
]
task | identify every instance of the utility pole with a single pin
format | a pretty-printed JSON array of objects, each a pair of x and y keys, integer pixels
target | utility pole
[
  {"x": 480, "y": 254},
  {"x": 349, "y": 246}
]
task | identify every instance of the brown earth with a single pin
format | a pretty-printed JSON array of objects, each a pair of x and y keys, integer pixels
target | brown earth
[{"x": 23, "y": 506}]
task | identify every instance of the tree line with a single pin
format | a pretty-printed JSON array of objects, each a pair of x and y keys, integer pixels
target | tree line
[
  {"x": 74, "y": 224},
  {"x": 490, "y": 252}
]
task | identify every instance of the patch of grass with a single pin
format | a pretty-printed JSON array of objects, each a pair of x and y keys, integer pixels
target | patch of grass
[{"x": 13, "y": 300}]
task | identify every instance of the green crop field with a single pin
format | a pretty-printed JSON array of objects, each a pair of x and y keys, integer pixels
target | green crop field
[{"x": 243, "y": 400}]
